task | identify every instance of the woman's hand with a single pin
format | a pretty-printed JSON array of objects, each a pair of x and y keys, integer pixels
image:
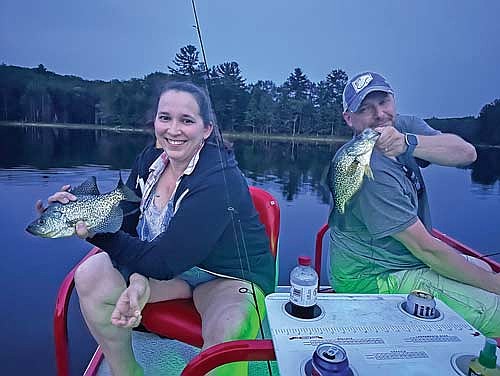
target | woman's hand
[{"x": 64, "y": 196}]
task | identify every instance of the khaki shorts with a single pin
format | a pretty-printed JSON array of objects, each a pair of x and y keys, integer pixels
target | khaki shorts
[{"x": 478, "y": 307}]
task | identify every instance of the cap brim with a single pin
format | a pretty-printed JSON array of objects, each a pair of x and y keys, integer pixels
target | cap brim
[{"x": 354, "y": 106}]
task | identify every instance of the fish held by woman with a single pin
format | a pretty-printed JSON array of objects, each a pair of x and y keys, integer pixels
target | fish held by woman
[
  {"x": 100, "y": 212},
  {"x": 351, "y": 164}
]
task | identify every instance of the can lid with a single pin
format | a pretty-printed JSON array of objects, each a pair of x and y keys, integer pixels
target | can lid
[
  {"x": 332, "y": 353},
  {"x": 422, "y": 294},
  {"x": 304, "y": 260}
]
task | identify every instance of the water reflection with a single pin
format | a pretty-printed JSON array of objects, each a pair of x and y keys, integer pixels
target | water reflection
[
  {"x": 45, "y": 148},
  {"x": 292, "y": 166},
  {"x": 486, "y": 170}
]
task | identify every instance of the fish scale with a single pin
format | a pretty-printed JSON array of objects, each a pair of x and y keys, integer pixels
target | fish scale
[
  {"x": 350, "y": 164},
  {"x": 100, "y": 212}
]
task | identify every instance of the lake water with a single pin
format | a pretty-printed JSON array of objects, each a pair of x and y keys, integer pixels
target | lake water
[{"x": 35, "y": 162}]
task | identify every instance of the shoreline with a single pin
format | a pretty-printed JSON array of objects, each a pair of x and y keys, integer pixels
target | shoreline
[{"x": 229, "y": 135}]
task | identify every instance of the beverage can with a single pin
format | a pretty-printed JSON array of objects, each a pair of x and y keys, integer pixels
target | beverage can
[
  {"x": 421, "y": 304},
  {"x": 329, "y": 359}
]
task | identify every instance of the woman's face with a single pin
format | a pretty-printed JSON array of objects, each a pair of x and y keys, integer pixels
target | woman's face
[{"x": 179, "y": 127}]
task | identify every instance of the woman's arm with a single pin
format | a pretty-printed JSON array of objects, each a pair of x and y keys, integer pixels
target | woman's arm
[
  {"x": 445, "y": 260},
  {"x": 191, "y": 235}
]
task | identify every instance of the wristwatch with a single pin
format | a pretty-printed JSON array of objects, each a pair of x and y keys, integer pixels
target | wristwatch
[{"x": 411, "y": 141}]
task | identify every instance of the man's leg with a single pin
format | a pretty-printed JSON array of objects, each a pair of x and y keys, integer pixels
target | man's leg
[{"x": 478, "y": 307}]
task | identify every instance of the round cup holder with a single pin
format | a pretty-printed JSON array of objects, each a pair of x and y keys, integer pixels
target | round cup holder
[
  {"x": 317, "y": 312},
  {"x": 460, "y": 363},
  {"x": 306, "y": 369},
  {"x": 403, "y": 308}
]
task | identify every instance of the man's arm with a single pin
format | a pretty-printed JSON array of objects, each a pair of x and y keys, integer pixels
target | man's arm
[
  {"x": 445, "y": 260},
  {"x": 444, "y": 149}
]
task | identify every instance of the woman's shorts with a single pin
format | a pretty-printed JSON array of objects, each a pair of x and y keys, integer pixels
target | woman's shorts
[{"x": 196, "y": 276}]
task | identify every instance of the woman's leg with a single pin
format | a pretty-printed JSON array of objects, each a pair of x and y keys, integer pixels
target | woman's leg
[
  {"x": 228, "y": 311},
  {"x": 99, "y": 285},
  {"x": 111, "y": 309}
]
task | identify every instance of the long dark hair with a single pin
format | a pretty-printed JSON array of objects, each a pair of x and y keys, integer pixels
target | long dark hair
[
  {"x": 200, "y": 96},
  {"x": 207, "y": 114}
]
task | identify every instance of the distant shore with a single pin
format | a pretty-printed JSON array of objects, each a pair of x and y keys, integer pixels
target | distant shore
[{"x": 229, "y": 135}]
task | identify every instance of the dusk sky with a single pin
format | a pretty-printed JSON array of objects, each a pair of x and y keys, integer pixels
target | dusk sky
[{"x": 441, "y": 56}]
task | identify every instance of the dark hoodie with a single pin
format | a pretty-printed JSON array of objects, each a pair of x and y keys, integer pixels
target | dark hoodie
[{"x": 216, "y": 226}]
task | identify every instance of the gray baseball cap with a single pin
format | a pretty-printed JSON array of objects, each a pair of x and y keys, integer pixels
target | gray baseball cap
[{"x": 360, "y": 86}]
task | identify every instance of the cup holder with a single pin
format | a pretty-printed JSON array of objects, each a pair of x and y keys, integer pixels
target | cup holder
[{"x": 314, "y": 313}]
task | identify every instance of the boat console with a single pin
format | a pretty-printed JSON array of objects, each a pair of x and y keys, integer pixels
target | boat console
[{"x": 378, "y": 334}]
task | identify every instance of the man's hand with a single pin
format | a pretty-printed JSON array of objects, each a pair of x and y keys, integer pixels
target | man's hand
[{"x": 391, "y": 142}]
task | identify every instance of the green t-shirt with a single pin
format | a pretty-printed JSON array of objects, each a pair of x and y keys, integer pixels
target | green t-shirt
[{"x": 361, "y": 244}]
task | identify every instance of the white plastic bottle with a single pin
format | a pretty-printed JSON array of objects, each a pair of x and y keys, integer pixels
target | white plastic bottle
[{"x": 303, "y": 289}]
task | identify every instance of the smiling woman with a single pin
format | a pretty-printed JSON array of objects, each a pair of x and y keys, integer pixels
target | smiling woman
[{"x": 181, "y": 243}]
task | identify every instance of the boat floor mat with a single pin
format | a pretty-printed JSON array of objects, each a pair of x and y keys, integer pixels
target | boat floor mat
[{"x": 166, "y": 357}]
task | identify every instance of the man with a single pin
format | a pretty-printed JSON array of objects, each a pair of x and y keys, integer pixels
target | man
[{"x": 382, "y": 243}]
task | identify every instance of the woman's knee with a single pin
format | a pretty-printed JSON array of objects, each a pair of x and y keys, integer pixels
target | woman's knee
[
  {"x": 228, "y": 309},
  {"x": 90, "y": 273},
  {"x": 230, "y": 322}
]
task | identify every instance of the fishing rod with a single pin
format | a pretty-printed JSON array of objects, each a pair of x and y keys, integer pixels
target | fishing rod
[
  {"x": 231, "y": 209},
  {"x": 206, "y": 76}
]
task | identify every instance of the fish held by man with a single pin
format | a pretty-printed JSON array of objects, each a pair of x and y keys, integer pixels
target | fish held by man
[
  {"x": 351, "y": 164},
  {"x": 100, "y": 212}
]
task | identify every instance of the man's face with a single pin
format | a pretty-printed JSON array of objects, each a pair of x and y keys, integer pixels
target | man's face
[{"x": 377, "y": 110}]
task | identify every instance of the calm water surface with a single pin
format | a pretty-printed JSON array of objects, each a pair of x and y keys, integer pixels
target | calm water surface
[{"x": 35, "y": 162}]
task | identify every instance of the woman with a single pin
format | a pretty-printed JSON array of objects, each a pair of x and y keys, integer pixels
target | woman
[{"x": 197, "y": 235}]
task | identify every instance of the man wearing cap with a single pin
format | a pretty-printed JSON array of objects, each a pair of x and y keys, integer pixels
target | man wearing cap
[{"x": 382, "y": 243}]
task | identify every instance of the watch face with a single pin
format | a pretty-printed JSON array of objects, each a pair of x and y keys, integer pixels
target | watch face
[{"x": 411, "y": 139}]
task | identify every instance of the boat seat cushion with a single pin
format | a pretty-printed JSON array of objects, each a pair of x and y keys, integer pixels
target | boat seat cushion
[{"x": 176, "y": 319}]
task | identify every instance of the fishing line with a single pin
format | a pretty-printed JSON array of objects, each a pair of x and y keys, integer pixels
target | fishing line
[
  {"x": 231, "y": 210},
  {"x": 488, "y": 255}
]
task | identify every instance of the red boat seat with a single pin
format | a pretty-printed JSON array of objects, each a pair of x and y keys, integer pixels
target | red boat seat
[{"x": 178, "y": 318}]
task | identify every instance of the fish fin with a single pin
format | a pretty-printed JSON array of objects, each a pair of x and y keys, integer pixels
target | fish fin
[
  {"x": 129, "y": 194},
  {"x": 369, "y": 172},
  {"x": 112, "y": 223},
  {"x": 88, "y": 187}
]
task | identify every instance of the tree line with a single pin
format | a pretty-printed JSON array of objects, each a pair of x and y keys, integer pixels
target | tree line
[{"x": 296, "y": 107}]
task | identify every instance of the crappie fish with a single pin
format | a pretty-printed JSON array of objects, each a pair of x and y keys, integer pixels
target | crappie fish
[
  {"x": 350, "y": 164},
  {"x": 100, "y": 212}
]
